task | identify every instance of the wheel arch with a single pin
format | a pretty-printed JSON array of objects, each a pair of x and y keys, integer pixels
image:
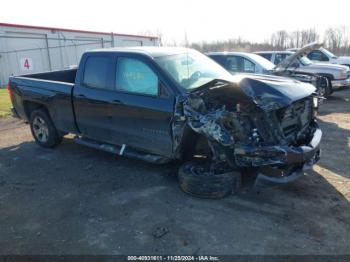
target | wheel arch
[
  {"x": 192, "y": 143},
  {"x": 29, "y": 106},
  {"x": 329, "y": 76}
]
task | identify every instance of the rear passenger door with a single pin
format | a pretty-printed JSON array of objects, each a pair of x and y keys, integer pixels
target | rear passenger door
[
  {"x": 94, "y": 96},
  {"x": 143, "y": 114}
]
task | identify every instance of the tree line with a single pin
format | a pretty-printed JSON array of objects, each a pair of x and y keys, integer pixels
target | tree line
[{"x": 336, "y": 39}]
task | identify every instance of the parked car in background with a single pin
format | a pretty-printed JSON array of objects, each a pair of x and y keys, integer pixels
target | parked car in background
[
  {"x": 325, "y": 56},
  {"x": 274, "y": 57},
  {"x": 159, "y": 104},
  {"x": 241, "y": 62},
  {"x": 337, "y": 75}
]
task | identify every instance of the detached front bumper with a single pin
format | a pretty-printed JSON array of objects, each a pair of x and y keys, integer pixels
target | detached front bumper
[
  {"x": 299, "y": 158},
  {"x": 341, "y": 83}
]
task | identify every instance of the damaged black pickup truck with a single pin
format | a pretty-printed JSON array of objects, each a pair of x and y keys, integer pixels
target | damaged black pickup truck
[{"x": 160, "y": 104}]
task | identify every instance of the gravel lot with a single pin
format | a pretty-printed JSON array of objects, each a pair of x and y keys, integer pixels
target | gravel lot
[{"x": 76, "y": 200}]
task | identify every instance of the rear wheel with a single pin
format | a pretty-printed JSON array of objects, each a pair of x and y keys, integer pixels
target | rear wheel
[
  {"x": 202, "y": 179},
  {"x": 43, "y": 130}
]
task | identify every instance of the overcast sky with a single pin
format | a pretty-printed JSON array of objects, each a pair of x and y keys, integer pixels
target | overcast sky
[{"x": 202, "y": 20}]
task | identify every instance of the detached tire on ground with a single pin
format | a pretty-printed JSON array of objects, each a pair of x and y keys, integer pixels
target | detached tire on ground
[
  {"x": 196, "y": 180},
  {"x": 43, "y": 130}
]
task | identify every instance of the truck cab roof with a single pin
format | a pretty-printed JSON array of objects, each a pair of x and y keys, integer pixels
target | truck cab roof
[
  {"x": 152, "y": 51},
  {"x": 274, "y": 52}
]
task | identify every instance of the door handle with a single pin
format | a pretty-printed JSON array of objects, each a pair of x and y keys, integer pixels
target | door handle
[{"x": 81, "y": 95}]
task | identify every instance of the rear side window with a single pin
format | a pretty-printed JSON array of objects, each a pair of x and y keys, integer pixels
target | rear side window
[
  {"x": 135, "y": 76},
  {"x": 96, "y": 72}
]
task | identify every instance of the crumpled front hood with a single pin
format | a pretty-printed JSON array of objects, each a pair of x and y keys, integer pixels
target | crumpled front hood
[{"x": 272, "y": 92}]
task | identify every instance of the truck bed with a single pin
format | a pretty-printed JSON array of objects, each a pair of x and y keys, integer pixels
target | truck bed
[
  {"x": 52, "y": 89},
  {"x": 67, "y": 76}
]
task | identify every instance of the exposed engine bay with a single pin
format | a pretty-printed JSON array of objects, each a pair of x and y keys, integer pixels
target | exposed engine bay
[{"x": 253, "y": 128}]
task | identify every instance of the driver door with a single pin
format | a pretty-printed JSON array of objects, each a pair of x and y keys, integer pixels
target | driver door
[{"x": 143, "y": 110}]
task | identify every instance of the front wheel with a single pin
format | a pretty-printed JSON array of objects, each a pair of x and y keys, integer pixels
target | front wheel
[
  {"x": 43, "y": 130},
  {"x": 326, "y": 88},
  {"x": 202, "y": 179}
]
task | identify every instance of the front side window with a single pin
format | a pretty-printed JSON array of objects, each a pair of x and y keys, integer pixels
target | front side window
[
  {"x": 317, "y": 56},
  {"x": 239, "y": 64},
  {"x": 249, "y": 67},
  {"x": 135, "y": 76},
  {"x": 234, "y": 64},
  {"x": 96, "y": 72}
]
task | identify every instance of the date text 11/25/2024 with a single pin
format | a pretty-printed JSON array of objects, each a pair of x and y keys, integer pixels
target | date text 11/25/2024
[{"x": 173, "y": 258}]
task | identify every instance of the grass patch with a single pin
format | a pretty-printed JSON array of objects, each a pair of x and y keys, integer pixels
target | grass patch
[{"x": 5, "y": 103}]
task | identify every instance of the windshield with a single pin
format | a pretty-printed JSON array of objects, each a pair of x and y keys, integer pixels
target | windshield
[
  {"x": 305, "y": 61},
  {"x": 263, "y": 62},
  {"x": 193, "y": 69},
  {"x": 328, "y": 53}
]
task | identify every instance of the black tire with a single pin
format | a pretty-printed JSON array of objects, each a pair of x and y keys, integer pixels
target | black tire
[
  {"x": 40, "y": 119},
  {"x": 327, "y": 88},
  {"x": 196, "y": 180}
]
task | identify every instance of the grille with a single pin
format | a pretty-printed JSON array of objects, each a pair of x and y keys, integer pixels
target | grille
[{"x": 296, "y": 118}]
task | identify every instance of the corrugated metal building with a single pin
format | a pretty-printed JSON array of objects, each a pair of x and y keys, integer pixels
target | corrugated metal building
[{"x": 30, "y": 49}]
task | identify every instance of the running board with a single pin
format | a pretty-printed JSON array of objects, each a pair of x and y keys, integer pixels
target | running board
[{"x": 121, "y": 150}]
